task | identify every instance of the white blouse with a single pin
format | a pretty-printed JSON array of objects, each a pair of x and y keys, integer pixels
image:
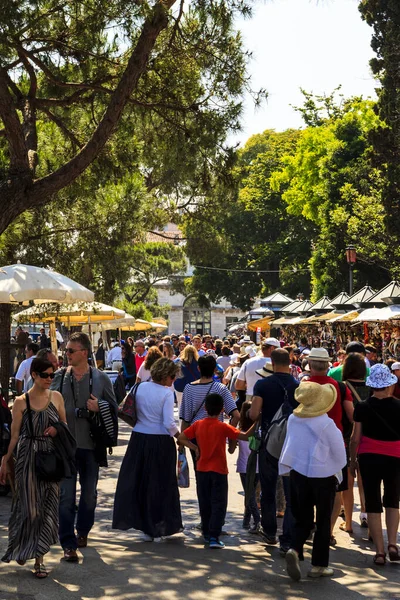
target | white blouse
[{"x": 155, "y": 410}]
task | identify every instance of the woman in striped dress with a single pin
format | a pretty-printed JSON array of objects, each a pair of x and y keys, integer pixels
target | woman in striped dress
[{"x": 33, "y": 525}]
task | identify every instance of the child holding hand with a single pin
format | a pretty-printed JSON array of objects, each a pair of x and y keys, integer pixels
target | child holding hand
[{"x": 212, "y": 469}]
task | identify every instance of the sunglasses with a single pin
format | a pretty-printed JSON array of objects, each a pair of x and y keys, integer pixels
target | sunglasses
[
  {"x": 72, "y": 351},
  {"x": 46, "y": 375}
]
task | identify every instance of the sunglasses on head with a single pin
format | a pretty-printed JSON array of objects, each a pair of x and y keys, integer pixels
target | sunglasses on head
[
  {"x": 46, "y": 375},
  {"x": 72, "y": 351}
]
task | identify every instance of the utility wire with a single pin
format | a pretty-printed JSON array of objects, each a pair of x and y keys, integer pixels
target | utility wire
[{"x": 256, "y": 271}]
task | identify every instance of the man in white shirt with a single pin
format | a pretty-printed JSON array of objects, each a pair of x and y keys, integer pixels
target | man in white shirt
[
  {"x": 24, "y": 370},
  {"x": 248, "y": 375},
  {"x": 114, "y": 354}
]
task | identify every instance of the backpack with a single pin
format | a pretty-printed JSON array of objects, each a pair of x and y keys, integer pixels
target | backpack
[{"x": 276, "y": 433}]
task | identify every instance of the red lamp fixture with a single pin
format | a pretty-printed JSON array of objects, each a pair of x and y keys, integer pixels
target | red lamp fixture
[{"x": 351, "y": 255}]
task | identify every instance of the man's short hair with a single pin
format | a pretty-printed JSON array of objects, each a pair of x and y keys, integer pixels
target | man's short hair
[
  {"x": 318, "y": 365},
  {"x": 225, "y": 351},
  {"x": 370, "y": 348},
  {"x": 81, "y": 338},
  {"x": 33, "y": 347},
  {"x": 214, "y": 404},
  {"x": 280, "y": 357}
]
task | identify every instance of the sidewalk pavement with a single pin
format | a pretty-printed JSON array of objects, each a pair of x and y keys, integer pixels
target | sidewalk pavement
[{"x": 117, "y": 565}]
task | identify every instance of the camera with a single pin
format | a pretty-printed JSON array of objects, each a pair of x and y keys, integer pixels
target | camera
[{"x": 82, "y": 413}]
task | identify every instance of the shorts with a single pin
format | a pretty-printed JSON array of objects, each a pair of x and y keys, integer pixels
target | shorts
[
  {"x": 342, "y": 487},
  {"x": 375, "y": 469}
]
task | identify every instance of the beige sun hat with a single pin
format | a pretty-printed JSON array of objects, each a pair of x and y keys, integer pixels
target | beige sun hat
[
  {"x": 314, "y": 399},
  {"x": 319, "y": 354}
]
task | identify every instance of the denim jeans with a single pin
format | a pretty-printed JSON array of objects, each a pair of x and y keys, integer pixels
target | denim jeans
[
  {"x": 268, "y": 470},
  {"x": 88, "y": 471}
]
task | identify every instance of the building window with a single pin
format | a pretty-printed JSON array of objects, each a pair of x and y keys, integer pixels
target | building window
[{"x": 196, "y": 318}]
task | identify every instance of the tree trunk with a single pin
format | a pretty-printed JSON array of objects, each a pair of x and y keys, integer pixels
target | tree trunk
[{"x": 5, "y": 331}]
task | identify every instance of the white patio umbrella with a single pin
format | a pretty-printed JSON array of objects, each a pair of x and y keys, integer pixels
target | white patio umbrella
[
  {"x": 26, "y": 284},
  {"x": 370, "y": 315},
  {"x": 74, "y": 314}
]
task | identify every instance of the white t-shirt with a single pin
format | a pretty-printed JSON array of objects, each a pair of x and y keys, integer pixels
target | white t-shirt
[
  {"x": 248, "y": 373},
  {"x": 24, "y": 372},
  {"x": 143, "y": 373},
  {"x": 224, "y": 361}
]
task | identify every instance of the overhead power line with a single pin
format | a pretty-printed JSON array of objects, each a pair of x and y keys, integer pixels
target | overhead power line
[{"x": 255, "y": 271}]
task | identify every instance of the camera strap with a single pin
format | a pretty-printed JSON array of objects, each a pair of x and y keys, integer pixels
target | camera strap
[{"x": 71, "y": 381}]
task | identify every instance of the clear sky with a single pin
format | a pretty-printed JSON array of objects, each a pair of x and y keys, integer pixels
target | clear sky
[{"x": 313, "y": 44}]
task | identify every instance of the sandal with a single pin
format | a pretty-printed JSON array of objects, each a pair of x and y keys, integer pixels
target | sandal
[
  {"x": 379, "y": 559},
  {"x": 342, "y": 527},
  {"x": 393, "y": 554},
  {"x": 40, "y": 571}
]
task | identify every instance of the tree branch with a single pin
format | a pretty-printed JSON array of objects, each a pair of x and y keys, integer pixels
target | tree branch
[
  {"x": 61, "y": 125},
  {"x": 137, "y": 64}
]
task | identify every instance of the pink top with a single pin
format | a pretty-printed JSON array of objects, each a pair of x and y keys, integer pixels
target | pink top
[{"x": 370, "y": 446}]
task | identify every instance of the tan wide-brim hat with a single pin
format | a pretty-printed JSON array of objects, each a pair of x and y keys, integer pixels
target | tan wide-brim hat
[{"x": 314, "y": 399}]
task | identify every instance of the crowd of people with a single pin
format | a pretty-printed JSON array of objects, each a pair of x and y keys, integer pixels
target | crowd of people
[{"x": 306, "y": 426}]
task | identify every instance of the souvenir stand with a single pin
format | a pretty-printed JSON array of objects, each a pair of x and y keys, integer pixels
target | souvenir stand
[
  {"x": 287, "y": 327},
  {"x": 379, "y": 321}
]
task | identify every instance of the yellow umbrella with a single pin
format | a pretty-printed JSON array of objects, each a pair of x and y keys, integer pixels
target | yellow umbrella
[
  {"x": 73, "y": 314},
  {"x": 264, "y": 323}
]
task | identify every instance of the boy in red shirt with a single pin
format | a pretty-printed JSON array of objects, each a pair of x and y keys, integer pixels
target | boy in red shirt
[{"x": 212, "y": 469}]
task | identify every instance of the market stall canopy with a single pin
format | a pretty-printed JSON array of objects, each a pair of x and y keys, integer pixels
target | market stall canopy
[
  {"x": 320, "y": 306},
  {"x": 368, "y": 315},
  {"x": 73, "y": 314},
  {"x": 315, "y": 319},
  {"x": 344, "y": 318},
  {"x": 360, "y": 298},
  {"x": 28, "y": 284},
  {"x": 258, "y": 313},
  {"x": 303, "y": 308},
  {"x": 285, "y": 321},
  {"x": 390, "y": 294},
  {"x": 390, "y": 312},
  {"x": 275, "y": 301},
  {"x": 264, "y": 323},
  {"x": 236, "y": 326},
  {"x": 291, "y": 307},
  {"x": 338, "y": 302}
]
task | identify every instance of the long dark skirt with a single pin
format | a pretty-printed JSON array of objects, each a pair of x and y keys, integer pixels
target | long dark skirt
[{"x": 147, "y": 496}]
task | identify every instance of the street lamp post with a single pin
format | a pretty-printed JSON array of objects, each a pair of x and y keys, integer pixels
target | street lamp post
[{"x": 351, "y": 257}]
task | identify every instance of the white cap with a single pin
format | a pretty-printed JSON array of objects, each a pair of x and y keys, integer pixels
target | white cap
[
  {"x": 271, "y": 342},
  {"x": 306, "y": 352},
  {"x": 395, "y": 366}
]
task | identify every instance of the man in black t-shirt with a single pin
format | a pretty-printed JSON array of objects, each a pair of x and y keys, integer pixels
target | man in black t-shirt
[{"x": 269, "y": 395}]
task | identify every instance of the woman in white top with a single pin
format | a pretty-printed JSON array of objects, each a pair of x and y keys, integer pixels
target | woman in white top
[
  {"x": 314, "y": 454},
  {"x": 152, "y": 355},
  {"x": 147, "y": 496}
]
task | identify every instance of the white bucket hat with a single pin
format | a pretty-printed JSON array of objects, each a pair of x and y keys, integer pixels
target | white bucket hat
[
  {"x": 319, "y": 354},
  {"x": 380, "y": 377}
]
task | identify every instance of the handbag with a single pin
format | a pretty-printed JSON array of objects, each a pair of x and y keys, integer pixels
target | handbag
[
  {"x": 127, "y": 409},
  {"x": 48, "y": 466},
  {"x": 183, "y": 470}
]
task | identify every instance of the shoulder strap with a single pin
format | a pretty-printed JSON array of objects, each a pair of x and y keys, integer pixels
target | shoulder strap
[
  {"x": 342, "y": 388},
  {"x": 202, "y": 404},
  {"x": 28, "y": 409},
  {"x": 353, "y": 391},
  {"x": 64, "y": 370}
]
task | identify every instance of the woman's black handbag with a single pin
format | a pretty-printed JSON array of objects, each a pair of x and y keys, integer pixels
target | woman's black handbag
[{"x": 48, "y": 466}]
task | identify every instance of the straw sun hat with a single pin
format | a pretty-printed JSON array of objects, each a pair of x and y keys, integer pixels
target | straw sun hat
[{"x": 314, "y": 399}]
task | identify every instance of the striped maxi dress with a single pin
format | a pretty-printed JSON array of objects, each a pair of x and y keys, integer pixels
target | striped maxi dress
[{"x": 33, "y": 525}]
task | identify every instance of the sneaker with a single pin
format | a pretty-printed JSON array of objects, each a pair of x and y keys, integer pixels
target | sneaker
[
  {"x": 146, "y": 538},
  {"x": 320, "y": 572},
  {"x": 270, "y": 539},
  {"x": 81, "y": 540},
  {"x": 363, "y": 520},
  {"x": 216, "y": 543},
  {"x": 283, "y": 550},
  {"x": 255, "y": 528},
  {"x": 293, "y": 565},
  {"x": 158, "y": 540}
]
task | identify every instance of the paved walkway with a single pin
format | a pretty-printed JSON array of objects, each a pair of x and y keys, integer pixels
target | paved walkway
[{"x": 118, "y": 566}]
